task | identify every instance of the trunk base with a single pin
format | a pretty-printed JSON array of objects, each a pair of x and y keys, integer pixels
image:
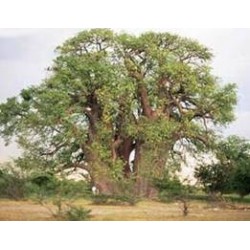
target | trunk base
[
  {"x": 145, "y": 189},
  {"x": 142, "y": 188}
]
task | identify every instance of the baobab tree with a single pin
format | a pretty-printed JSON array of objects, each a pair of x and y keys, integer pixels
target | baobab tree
[{"x": 110, "y": 96}]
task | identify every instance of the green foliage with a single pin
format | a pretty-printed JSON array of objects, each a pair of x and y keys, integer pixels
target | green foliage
[
  {"x": 12, "y": 182},
  {"x": 108, "y": 94},
  {"x": 100, "y": 199},
  {"x": 53, "y": 187},
  {"x": 71, "y": 188},
  {"x": 171, "y": 188},
  {"x": 117, "y": 200},
  {"x": 215, "y": 178},
  {"x": 16, "y": 184},
  {"x": 232, "y": 172},
  {"x": 77, "y": 214},
  {"x": 155, "y": 132},
  {"x": 63, "y": 211},
  {"x": 235, "y": 152},
  {"x": 42, "y": 185},
  {"x": 241, "y": 180},
  {"x": 123, "y": 194}
]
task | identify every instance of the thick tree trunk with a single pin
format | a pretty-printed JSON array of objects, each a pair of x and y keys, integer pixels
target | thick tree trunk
[
  {"x": 124, "y": 152},
  {"x": 137, "y": 157},
  {"x": 105, "y": 186},
  {"x": 144, "y": 188}
]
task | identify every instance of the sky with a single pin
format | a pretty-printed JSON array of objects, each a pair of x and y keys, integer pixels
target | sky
[{"x": 26, "y": 53}]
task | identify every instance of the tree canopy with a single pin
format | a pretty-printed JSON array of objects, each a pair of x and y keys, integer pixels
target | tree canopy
[
  {"x": 110, "y": 98},
  {"x": 231, "y": 171}
]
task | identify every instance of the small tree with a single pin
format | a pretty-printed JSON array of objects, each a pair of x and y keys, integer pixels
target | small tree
[
  {"x": 241, "y": 179},
  {"x": 215, "y": 178},
  {"x": 232, "y": 171},
  {"x": 12, "y": 182}
]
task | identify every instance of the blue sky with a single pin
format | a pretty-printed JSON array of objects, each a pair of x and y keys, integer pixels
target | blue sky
[{"x": 26, "y": 53}]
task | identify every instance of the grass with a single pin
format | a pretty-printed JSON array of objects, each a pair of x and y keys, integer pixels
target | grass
[{"x": 143, "y": 211}]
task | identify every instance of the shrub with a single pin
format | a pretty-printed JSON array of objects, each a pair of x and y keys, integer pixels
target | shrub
[
  {"x": 48, "y": 185},
  {"x": 232, "y": 172},
  {"x": 123, "y": 193},
  {"x": 12, "y": 183},
  {"x": 41, "y": 185},
  {"x": 171, "y": 188},
  {"x": 131, "y": 200},
  {"x": 77, "y": 214},
  {"x": 102, "y": 199},
  {"x": 240, "y": 181},
  {"x": 214, "y": 178},
  {"x": 63, "y": 211},
  {"x": 76, "y": 189}
]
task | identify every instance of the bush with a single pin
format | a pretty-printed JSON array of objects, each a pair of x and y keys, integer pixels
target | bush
[
  {"x": 102, "y": 199},
  {"x": 123, "y": 193},
  {"x": 214, "y": 178},
  {"x": 232, "y": 172},
  {"x": 240, "y": 181},
  {"x": 76, "y": 189},
  {"x": 126, "y": 199},
  {"x": 225, "y": 179},
  {"x": 77, "y": 214},
  {"x": 171, "y": 188},
  {"x": 63, "y": 211},
  {"x": 12, "y": 184},
  {"x": 47, "y": 185},
  {"x": 41, "y": 185},
  {"x": 18, "y": 184}
]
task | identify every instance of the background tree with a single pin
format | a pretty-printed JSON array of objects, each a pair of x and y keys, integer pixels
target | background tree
[
  {"x": 236, "y": 152},
  {"x": 231, "y": 172},
  {"x": 111, "y": 96},
  {"x": 215, "y": 178}
]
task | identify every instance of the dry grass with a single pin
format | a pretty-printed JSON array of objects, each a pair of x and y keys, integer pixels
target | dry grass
[{"x": 144, "y": 211}]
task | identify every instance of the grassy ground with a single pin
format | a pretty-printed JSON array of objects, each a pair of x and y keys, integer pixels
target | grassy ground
[{"x": 143, "y": 211}]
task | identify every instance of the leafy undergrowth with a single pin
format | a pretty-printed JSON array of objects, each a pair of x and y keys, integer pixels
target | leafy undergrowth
[
  {"x": 143, "y": 211},
  {"x": 66, "y": 211},
  {"x": 117, "y": 200}
]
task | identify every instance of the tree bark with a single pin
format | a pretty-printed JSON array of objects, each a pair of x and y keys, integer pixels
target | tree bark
[
  {"x": 125, "y": 151},
  {"x": 147, "y": 110}
]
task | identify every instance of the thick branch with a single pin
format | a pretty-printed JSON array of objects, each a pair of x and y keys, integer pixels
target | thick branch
[
  {"x": 54, "y": 151},
  {"x": 147, "y": 110},
  {"x": 115, "y": 145}
]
